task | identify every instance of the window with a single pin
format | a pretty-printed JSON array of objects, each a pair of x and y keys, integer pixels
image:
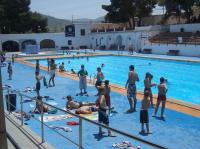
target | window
[
  {"x": 82, "y": 32},
  {"x": 69, "y": 42}
]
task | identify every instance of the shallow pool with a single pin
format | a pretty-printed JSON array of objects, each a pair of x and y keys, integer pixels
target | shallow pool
[{"x": 183, "y": 77}]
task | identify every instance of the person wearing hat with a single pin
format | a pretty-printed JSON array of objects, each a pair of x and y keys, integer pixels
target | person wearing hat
[
  {"x": 82, "y": 74},
  {"x": 162, "y": 90},
  {"x": 148, "y": 85}
]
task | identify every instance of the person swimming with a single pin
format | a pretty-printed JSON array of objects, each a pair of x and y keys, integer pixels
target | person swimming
[{"x": 102, "y": 65}]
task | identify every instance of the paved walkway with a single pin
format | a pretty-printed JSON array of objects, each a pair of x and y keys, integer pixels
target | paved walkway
[{"x": 23, "y": 135}]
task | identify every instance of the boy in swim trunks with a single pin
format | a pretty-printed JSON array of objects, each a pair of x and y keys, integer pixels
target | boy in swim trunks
[
  {"x": 38, "y": 85},
  {"x": 82, "y": 74},
  {"x": 102, "y": 111},
  {"x": 148, "y": 85},
  {"x": 162, "y": 90},
  {"x": 52, "y": 72},
  {"x": 99, "y": 78},
  {"x": 107, "y": 93},
  {"x": 10, "y": 71},
  {"x": 131, "y": 91},
  {"x": 144, "y": 117}
]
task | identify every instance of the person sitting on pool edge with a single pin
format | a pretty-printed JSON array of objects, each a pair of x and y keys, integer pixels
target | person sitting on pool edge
[
  {"x": 80, "y": 107},
  {"x": 62, "y": 67}
]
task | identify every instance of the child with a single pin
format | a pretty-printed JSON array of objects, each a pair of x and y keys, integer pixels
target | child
[
  {"x": 62, "y": 67},
  {"x": 148, "y": 85},
  {"x": 107, "y": 94},
  {"x": 99, "y": 78},
  {"x": 162, "y": 90},
  {"x": 38, "y": 78},
  {"x": 103, "y": 116},
  {"x": 10, "y": 71},
  {"x": 144, "y": 117}
]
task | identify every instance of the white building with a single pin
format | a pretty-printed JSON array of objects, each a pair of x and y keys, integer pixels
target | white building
[{"x": 84, "y": 38}]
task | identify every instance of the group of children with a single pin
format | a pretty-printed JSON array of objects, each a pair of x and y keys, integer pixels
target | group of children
[{"x": 148, "y": 100}]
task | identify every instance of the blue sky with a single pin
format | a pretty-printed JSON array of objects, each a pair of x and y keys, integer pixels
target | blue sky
[{"x": 64, "y": 9}]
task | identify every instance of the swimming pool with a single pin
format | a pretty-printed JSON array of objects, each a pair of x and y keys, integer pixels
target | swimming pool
[
  {"x": 183, "y": 77},
  {"x": 178, "y": 131}
]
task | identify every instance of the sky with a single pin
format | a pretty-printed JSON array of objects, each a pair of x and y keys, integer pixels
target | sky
[{"x": 65, "y": 9}]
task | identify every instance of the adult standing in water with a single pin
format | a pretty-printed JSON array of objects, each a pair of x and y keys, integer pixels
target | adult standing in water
[
  {"x": 99, "y": 78},
  {"x": 131, "y": 91},
  {"x": 82, "y": 74},
  {"x": 52, "y": 72}
]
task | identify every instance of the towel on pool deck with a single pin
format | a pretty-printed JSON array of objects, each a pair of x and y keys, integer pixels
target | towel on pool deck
[
  {"x": 93, "y": 116},
  {"x": 124, "y": 145},
  {"x": 51, "y": 118},
  {"x": 64, "y": 128}
]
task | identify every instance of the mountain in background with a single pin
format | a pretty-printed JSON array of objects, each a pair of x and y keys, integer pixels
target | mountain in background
[{"x": 57, "y": 25}]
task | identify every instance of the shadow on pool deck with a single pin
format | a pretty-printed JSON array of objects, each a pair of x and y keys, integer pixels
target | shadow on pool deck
[{"x": 177, "y": 131}]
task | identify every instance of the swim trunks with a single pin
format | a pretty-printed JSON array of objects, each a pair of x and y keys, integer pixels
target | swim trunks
[
  {"x": 144, "y": 117},
  {"x": 103, "y": 117},
  {"x": 131, "y": 92},
  {"x": 161, "y": 97}
]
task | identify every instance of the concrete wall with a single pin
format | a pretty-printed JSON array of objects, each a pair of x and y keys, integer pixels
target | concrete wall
[
  {"x": 184, "y": 50},
  {"x": 59, "y": 38},
  {"x": 187, "y": 27},
  {"x": 128, "y": 39}
]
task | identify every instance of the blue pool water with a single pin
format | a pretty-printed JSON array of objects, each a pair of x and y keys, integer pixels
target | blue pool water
[{"x": 183, "y": 77}]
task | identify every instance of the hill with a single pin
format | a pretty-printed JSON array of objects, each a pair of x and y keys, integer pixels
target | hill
[{"x": 57, "y": 25}]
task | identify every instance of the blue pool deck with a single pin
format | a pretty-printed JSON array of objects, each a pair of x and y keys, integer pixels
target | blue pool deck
[{"x": 179, "y": 131}]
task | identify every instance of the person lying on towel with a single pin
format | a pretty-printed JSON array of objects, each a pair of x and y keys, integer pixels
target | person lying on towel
[{"x": 80, "y": 107}]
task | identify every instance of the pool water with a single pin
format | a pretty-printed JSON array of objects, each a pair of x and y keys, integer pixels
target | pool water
[{"x": 183, "y": 77}]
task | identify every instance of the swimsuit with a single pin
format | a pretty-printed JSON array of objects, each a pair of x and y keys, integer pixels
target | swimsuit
[
  {"x": 144, "y": 117},
  {"x": 131, "y": 92}
]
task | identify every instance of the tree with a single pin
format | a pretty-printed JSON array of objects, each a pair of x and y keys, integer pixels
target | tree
[
  {"x": 15, "y": 16},
  {"x": 176, "y": 7},
  {"x": 122, "y": 11},
  {"x": 144, "y": 8},
  {"x": 38, "y": 23},
  {"x": 119, "y": 11}
]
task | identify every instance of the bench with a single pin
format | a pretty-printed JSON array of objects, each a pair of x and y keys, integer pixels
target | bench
[
  {"x": 173, "y": 52},
  {"x": 147, "y": 51}
]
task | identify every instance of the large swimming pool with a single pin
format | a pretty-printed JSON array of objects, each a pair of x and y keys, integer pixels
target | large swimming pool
[{"x": 183, "y": 77}]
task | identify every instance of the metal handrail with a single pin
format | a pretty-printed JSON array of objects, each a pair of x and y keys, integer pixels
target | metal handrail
[
  {"x": 15, "y": 144},
  {"x": 80, "y": 124}
]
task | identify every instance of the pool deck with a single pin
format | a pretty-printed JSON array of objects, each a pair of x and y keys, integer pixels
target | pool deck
[{"x": 172, "y": 104}]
